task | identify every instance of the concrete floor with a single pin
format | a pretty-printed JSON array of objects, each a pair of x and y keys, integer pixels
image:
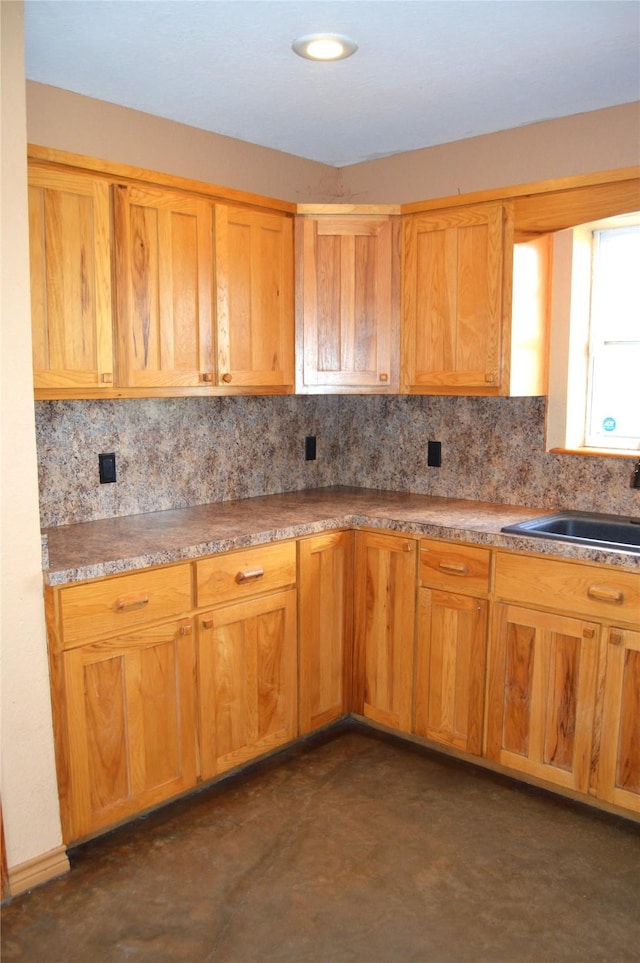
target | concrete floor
[{"x": 353, "y": 848}]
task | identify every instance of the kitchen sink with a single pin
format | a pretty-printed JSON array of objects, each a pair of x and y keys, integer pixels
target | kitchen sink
[{"x": 583, "y": 528}]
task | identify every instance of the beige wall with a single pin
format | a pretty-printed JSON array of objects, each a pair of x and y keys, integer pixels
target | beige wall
[
  {"x": 67, "y": 121},
  {"x": 580, "y": 144},
  {"x": 29, "y": 794}
]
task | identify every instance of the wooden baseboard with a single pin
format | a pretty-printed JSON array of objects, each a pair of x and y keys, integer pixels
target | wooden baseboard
[{"x": 38, "y": 870}]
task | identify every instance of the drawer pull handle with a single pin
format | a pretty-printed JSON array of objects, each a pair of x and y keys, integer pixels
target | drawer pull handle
[
  {"x": 250, "y": 575},
  {"x": 603, "y": 594},
  {"x": 454, "y": 568},
  {"x": 130, "y": 602}
]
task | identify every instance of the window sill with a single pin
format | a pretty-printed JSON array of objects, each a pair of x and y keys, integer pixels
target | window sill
[{"x": 597, "y": 452}]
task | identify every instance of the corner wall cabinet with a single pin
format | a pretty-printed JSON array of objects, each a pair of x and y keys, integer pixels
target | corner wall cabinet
[
  {"x": 348, "y": 309},
  {"x": 170, "y": 675}
]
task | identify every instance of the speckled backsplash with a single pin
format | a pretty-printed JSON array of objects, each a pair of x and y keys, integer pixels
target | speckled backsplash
[{"x": 175, "y": 452}]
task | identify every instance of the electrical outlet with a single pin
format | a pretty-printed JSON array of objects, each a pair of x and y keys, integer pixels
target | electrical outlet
[
  {"x": 310, "y": 448},
  {"x": 434, "y": 454},
  {"x": 107, "y": 467}
]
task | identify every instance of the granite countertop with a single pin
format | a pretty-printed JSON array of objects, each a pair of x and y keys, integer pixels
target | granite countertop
[{"x": 72, "y": 553}]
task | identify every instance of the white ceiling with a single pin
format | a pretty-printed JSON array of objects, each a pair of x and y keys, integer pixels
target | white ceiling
[{"x": 426, "y": 72}]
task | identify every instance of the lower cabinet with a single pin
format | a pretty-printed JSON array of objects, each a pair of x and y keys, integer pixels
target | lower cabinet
[
  {"x": 247, "y": 680},
  {"x": 178, "y": 673},
  {"x": 450, "y": 669},
  {"x": 541, "y": 694},
  {"x": 451, "y": 646},
  {"x": 618, "y": 769},
  {"x": 384, "y": 627},
  {"x": 325, "y": 628},
  {"x": 130, "y": 725}
]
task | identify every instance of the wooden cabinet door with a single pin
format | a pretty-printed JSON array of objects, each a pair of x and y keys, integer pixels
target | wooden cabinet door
[
  {"x": 349, "y": 301},
  {"x": 450, "y": 668},
  {"x": 618, "y": 774},
  {"x": 541, "y": 694},
  {"x": 130, "y": 723},
  {"x": 70, "y": 254},
  {"x": 247, "y": 679},
  {"x": 254, "y": 283},
  {"x": 325, "y": 593},
  {"x": 453, "y": 300},
  {"x": 385, "y": 600},
  {"x": 164, "y": 288}
]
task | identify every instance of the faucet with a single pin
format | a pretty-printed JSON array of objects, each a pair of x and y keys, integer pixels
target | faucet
[{"x": 635, "y": 481}]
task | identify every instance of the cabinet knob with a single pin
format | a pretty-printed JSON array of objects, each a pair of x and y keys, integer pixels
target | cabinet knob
[
  {"x": 383, "y": 377},
  {"x": 131, "y": 601},
  {"x": 615, "y": 638},
  {"x": 602, "y": 593},
  {"x": 226, "y": 377},
  {"x": 453, "y": 568},
  {"x": 106, "y": 378},
  {"x": 185, "y": 628},
  {"x": 206, "y": 376},
  {"x": 250, "y": 575},
  {"x": 408, "y": 547}
]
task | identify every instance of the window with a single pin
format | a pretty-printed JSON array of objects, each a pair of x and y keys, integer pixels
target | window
[
  {"x": 594, "y": 364},
  {"x": 613, "y": 388}
]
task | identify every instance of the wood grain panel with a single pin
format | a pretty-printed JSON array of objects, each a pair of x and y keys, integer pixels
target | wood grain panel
[
  {"x": 231, "y": 576},
  {"x": 112, "y": 605},
  {"x": 70, "y": 237},
  {"x": 385, "y": 601},
  {"x": 348, "y": 301},
  {"x": 450, "y": 669},
  {"x": 458, "y": 568},
  {"x": 602, "y": 592},
  {"x": 130, "y": 722},
  {"x": 247, "y": 680},
  {"x": 542, "y": 693},
  {"x": 453, "y": 299},
  {"x": 254, "y": 282},
  {"x": 164, "y": 257},
  {"x": 618, "y": 771},
  {"x": 325, "y": 628}
]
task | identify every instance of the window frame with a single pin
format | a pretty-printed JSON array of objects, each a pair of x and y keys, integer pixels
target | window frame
[{"x": 569, "y": 355}]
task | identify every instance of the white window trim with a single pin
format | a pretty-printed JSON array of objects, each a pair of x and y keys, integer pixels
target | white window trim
[{"x": 569, "y": 342}]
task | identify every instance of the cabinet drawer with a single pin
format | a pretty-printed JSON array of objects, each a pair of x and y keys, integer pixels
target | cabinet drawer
[
  {"x": 458, "y": 568},
  {"x": 603, "y": 593},
  {"x": 227, "y": 577},
  {"x": 115, "y": 605}
]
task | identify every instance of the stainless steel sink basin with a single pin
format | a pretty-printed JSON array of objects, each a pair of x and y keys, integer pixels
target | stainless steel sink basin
[{"x": 584, "y": 528}]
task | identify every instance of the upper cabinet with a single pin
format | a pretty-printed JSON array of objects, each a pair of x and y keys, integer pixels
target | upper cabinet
[
  {"x": 348, "y": 301},
  {"x": 254, "y": 283},
  {"x": 139, "y": 289},
  {"x": 71, "y": 297},
  {"x": 460, "y": 334},
  {"x": 147, "y": 284},
  {"x": 164, "y": 288}
]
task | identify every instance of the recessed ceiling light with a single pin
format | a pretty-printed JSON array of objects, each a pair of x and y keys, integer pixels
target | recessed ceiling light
[{"x": 324, "y": 46}]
